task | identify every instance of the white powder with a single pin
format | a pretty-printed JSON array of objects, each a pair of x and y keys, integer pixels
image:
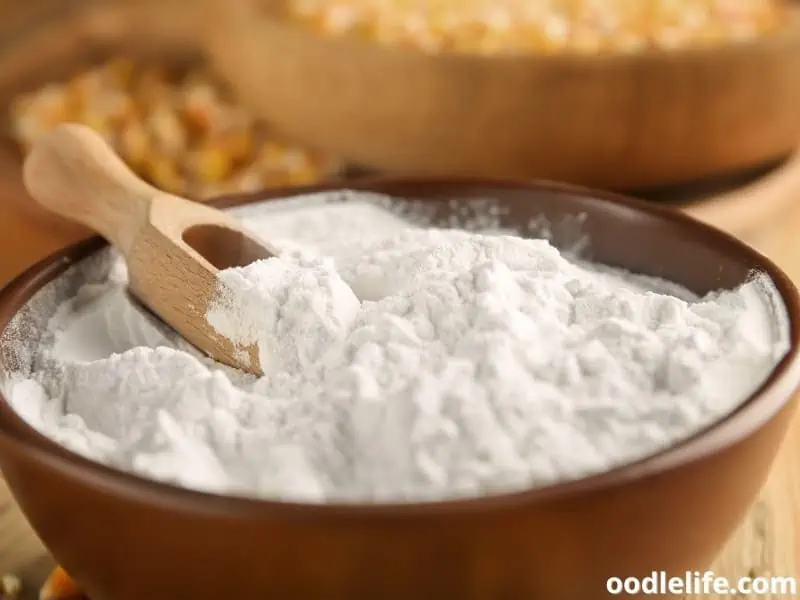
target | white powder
[{"x": 412, "y": 364}]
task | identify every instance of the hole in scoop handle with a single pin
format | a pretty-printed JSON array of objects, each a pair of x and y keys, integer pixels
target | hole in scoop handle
[{"x": 74, "y": 173}]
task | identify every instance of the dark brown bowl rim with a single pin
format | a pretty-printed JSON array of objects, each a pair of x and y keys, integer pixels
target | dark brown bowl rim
[
  {"x": 754, "y": 413},
  {"x": 786, "y": 35}
]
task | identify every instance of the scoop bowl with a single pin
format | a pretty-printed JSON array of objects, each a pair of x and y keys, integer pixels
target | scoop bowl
[{"x": 124, "y": 538}]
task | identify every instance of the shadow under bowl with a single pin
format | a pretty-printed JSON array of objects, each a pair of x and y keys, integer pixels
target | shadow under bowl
[{"x": 124, "y": 538}]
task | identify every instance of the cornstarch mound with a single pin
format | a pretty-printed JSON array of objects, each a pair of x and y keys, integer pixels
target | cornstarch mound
[{"x": 402, "y": 363}]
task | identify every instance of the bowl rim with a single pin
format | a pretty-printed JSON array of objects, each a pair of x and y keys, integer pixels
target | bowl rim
[
  {"x": 786, "y": 35},
  {"x": 756, "y": 411}
]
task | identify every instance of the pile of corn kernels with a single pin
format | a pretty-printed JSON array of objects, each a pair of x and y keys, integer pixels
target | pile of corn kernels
[
  {"x": 184, "y": 133},
  {"x": 544, "y": 26}
]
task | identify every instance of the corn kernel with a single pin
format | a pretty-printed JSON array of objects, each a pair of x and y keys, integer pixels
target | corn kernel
[
  {"x": 167, "y": 131},
  {"x": 213, "y": 164},
  {"x": 163, "y": 172},
  {"x": 200, "y": 103},
  {"x": 58, "y": 585},
  {"x": 248, "y": 180},
  {"x": 134, "y": 143},
  {"x": 301, "y": 176},
  {"x": 237, "y": 144}
]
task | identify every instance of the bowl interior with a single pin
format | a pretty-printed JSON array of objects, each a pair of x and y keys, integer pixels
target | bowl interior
[{"x": 606, "y": 228}]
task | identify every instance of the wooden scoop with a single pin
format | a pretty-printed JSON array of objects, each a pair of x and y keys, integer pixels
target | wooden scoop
[{"x": 173, "y": 247}]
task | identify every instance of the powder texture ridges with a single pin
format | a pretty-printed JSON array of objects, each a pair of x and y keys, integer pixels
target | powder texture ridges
[
  {"x": 293, "y": 309},
  {"x": 413, "y": 364}
]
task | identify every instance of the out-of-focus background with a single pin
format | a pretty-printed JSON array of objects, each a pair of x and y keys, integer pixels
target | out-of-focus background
[
  {"x": 693, "y": 103},
  {"x": 205, "y": 98},
  {"x": 70, "y": 61}
]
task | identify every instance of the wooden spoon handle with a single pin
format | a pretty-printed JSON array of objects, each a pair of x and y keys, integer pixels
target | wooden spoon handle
[{"x": 74, "y": 173}]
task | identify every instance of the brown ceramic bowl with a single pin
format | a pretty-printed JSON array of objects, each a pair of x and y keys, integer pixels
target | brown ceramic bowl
[
  {"x": 124, "y": 538},
  {"x": 619, "y": 122}
]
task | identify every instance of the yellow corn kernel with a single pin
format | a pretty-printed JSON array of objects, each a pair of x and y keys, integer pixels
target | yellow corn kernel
[
  {"x": 271, "y": 154},
  {"x": 166, "y": 131},
  {"x": 100, "y": 123},
  {"x": 213, "y": 164},
  {"x": 200, "y": 104},
  {"x": 84, "y": 86},
  {"x": 163, "y": 172},
  {"x": 134, "y": 143},
  {"x": 59, "y": 585},
  {"x": 50, "y": 105},
  {"x": 304, "y": 175},
  {"x": 237, "y": 144}
]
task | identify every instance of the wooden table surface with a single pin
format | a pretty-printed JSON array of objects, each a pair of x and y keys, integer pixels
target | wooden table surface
[{"x": 765, "y": 544}]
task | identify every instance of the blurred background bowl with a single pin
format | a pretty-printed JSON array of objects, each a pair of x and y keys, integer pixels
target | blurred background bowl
[
  {"x": 124, "y": 538},
  {"x": 621, "y": 121}
]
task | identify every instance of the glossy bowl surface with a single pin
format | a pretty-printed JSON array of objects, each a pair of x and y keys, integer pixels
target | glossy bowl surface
[{"x": 124, "y": 538}]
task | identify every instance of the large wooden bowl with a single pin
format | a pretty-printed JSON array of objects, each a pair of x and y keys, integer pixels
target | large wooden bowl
[
  {"x": 124, "y": 538},
  {"x": 616, "y": 122}
]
